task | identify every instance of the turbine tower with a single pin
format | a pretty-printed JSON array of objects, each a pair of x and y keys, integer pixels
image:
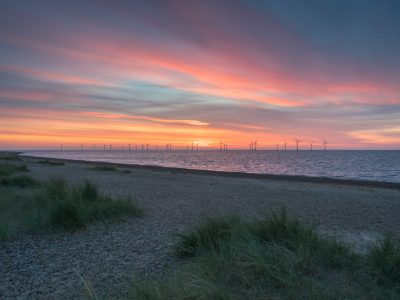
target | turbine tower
[
  {"x": 325, "y": 143},
  {"x": 297, "y": 144}
]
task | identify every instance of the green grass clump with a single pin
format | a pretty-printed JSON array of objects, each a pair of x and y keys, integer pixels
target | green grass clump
[
  {"x": 10, "y": 157},
  {"x": 104, "y": 168},
  {"x": 208, "y": 236},
  {"x": 56, "y": 205},
  {"x": 7, "y": 170},
  {"x": 126, "y": 171},
  {"x": 72, "y": 208},
  {"x": 22, "y": 181},
  {"x": 50, "y": 163},
  {"x": 277, "y": 257},
  {"x": 385, "y": 262},
  {"x": 4, "y": 232}
]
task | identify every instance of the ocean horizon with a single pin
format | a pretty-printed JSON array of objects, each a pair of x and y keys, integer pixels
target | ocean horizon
[{"x": 370, "y": 165}]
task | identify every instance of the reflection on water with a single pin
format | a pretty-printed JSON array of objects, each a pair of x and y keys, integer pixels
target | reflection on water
[{"x": 366, "y": 165}]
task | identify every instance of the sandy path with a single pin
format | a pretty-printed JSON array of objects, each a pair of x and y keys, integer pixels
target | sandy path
[{"x": 45, "y": 266}]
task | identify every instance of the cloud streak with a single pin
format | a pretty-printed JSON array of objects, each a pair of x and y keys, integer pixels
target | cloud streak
[{"x": 207, "y": 69}]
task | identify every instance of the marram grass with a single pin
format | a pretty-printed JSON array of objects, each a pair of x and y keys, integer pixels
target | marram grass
[
  {"x": 277, "y": 257},
  {"x": 56, "y": 205}
]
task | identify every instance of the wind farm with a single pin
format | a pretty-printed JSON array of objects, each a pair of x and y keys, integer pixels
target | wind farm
[{"x": 195, "y": 146}]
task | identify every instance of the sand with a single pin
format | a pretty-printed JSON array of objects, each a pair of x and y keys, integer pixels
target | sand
[{"x": 109, "y": 256}]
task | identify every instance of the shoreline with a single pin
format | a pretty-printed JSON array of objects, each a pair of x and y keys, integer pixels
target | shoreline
[
  {"x": 174, "y": 201},
  {"x": 294, "y": 178}
]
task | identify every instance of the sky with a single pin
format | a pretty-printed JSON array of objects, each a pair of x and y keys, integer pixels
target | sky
[{"x": 175, "y": 72}]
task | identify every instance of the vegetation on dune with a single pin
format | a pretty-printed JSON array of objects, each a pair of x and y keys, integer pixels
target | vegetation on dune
[
  {"x": 22, "y": 181},
  {"x": 74, "y": 207},
  {"x": 4, "y": 235},
  {"x": 104, "y": 168},
  {"x": 385, "y": 262},
  {"x": 10, "y": 156},
  {"x": 277, "y": 257},
  {"x": 55, "y": 205},
  {"x": 50, "y": 163},
  {"x": 126, "y": 171},
  {"x": 8, "y": 169}
]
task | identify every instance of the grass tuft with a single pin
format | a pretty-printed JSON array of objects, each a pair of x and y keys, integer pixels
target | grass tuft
[
  {"x": 4, "y": 232},
  {"x": 72, "y": 208},
  {"x": 385, "y": 262},
  {"x": 10, "y": 157},
  {"x": 7, "y": 170},
  {"x": 277, "y": 257},
  {"x": 56, "y": 205},
  {"x": 50, "y": 163},
  {"x": 22, "y": 181},
  {"x": 206, "y": 237},
  {"x": 126, "y": 171},
  {"x": 65, "y": 215},
  {"x": 104, "y": 168},
  {"x": 89, "y": 191}
]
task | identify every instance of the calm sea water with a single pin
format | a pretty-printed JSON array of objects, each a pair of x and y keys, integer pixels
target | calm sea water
[{"x": 365, "y": 165}]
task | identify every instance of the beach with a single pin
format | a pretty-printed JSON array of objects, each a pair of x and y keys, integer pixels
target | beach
[{"x": 108, "y": 256}]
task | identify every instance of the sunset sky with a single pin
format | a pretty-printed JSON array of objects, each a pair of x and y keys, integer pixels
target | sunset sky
[{"x": 158, "y": 72}]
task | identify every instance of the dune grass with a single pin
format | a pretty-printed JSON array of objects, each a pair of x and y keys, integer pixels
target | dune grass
[
  {"x": 126, "y": 171},
  {"x": 8, "y": 156},
  {"x": 56, "y": 205},
  {"x": 9, "y": 169},
  {"x": 4, "y": 235},
  {"x": 22, "y": 181},
  {"x": 277, "y": 257},
  {"x": 73, "y": 208},
  {"x": 104, "y": 168},
  {"x": 385, "y": 262},
  {"x": 51, "y": 163}
]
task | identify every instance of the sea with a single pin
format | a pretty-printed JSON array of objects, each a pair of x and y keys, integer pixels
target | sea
[{"x": 374, "y": 165}]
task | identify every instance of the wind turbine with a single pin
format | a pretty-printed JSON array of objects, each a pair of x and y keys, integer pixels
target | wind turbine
[
  {"x": 311, "y": 145},
  {"x": 325, "y": 143},
  {"x": 297, "y": 144},
  {"x": 277, "y": 146},
  {"x": 284, "y": 144}
]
